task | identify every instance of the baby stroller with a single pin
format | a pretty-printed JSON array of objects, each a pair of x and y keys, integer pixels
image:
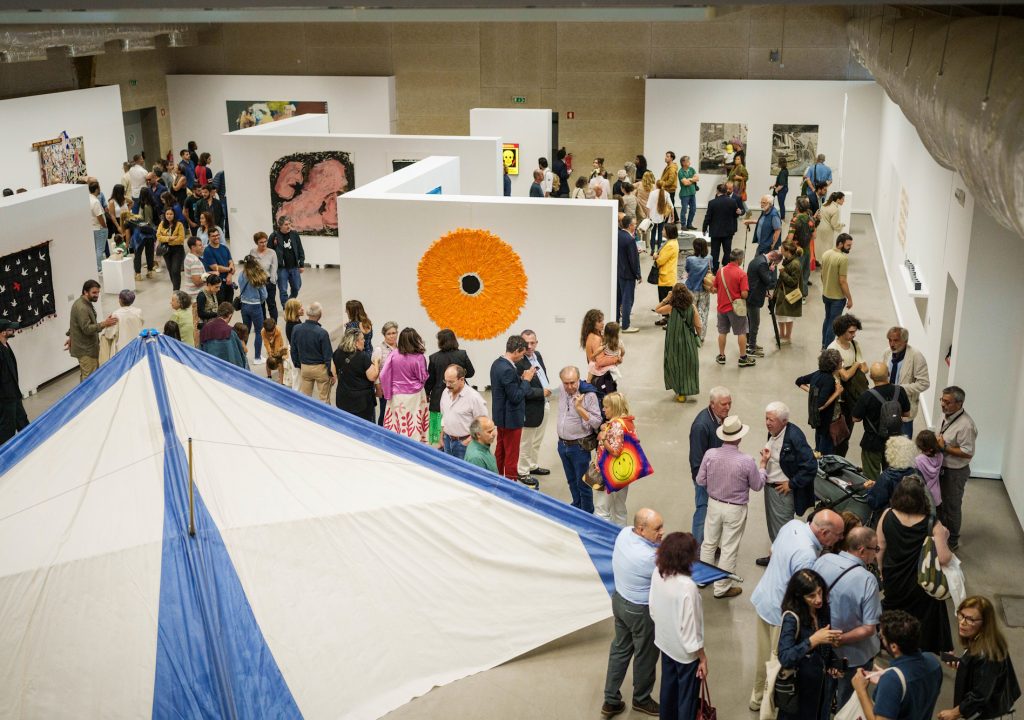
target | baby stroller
[{"x": 839, "y": 486}]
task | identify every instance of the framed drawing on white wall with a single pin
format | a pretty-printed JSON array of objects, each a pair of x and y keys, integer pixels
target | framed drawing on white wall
[
  {"x": 798, "y": 144},
  {"x": 719, "y": 143}
]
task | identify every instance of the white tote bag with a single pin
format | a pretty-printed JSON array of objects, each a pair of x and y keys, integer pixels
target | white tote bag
[
  {"x": 852, "y": 709},
  {"x": 772, "y": 667},
  {"x": 955, "y": 579}
]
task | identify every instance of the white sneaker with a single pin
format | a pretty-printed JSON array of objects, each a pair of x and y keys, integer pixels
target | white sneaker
[
  {"x": 259, "y": 361},
  {"x": 631, "y": 330}
]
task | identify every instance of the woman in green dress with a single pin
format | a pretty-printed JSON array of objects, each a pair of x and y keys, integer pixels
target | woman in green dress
[
  {"x": 682, "y": 343},
  {"x": 790, "y": 273}
]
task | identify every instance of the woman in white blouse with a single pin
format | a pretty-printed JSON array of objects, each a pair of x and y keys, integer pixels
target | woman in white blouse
[{"x": 678, "y": 616}]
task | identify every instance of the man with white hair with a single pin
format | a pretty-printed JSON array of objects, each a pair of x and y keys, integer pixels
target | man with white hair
[
  {"x": 729, "y": 476},
  {"x": 796, "y": 548},
  {"x": 703, "y": 437},
  {"x": 790, "y": 469},
  {"x": 908, "y": 369},
  {"x": 768, "y": 227},
  {"x": 311, "y": 354}
]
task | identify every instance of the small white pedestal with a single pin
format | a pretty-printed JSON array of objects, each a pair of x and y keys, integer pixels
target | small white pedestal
[{"x": 118, "y": 275}]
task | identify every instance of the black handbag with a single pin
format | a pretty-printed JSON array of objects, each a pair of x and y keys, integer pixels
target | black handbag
[
  {"x": 786, "y": 694},
  {"x": 652, "y": 275}
]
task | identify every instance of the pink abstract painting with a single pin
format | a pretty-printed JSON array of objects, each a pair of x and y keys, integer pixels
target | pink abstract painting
[{"x": 306, "y": 186}]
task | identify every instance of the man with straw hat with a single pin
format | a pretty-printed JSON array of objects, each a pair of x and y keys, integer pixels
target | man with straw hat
[{"x": 729, "y": 476}]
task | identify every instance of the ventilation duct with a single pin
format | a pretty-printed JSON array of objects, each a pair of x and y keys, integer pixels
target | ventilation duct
[
  {"x": 32, "y": 44},
  {"x": 960, "y": 82}
]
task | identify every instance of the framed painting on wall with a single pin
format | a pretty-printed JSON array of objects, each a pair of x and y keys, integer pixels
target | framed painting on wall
[
  {"x": 61, "y": 160},
  {"x": 249, "y": 113},
  {"x": 719, "y": 143},
  {"x": 798, "y": 144},
  {"x": 306, "y": 186},
  {"x": 510, "y": 157}
]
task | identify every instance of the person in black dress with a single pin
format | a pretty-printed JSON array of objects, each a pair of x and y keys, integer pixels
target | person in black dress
[
  {"x": 12, "y": 412},
  {"x": 448, "y": 353},
  {"x": 356, "y": 374},
  {"x": 901, "y": 531}
]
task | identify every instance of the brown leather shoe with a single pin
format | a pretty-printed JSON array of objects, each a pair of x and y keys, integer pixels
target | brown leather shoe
[
  {"x": 730, "y": 593},
  {"x": 608, "y": 710},
  {"x": 647, "y": 707}
]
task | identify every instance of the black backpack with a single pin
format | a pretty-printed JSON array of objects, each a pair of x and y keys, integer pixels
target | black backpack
[
  {"x": 813, "y": 403},
  {"x": 890, "y": 420}
]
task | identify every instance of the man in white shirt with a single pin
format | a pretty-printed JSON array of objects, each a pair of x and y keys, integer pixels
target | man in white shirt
[
  {"x": 460, "y": 405},
  {"x": 549, "y": 177},
  {"x": 98, "y": 221},
  {"x": 137, "y": 177},
  {"x": 193, "y": 271},
  {"x": 536, "y": 409}
]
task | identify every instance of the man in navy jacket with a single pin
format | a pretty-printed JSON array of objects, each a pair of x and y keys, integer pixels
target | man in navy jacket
[
  {"x": 509, "y": 388},
  {"x": 791, "y": 469},
  {"x": 720, "y": 225},
  {"x": 629, "y": 272},
  {"x": 703, "y": 437}
]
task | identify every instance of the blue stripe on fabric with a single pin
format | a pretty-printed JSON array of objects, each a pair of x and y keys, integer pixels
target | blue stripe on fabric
[
  {"x": 212, "y": 660},
  {"x": 598, "y": 536},
  {"x": 69, "y": 407}
]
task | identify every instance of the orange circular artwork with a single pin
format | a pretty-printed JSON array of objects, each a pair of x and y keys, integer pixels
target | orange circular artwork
[{"x": 472, "y": 282}]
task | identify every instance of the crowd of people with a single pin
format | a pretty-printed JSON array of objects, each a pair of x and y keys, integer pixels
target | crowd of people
[{"x": 837, "y": 589}]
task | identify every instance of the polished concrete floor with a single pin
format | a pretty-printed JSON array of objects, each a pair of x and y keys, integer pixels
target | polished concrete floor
[{"x": 565, "y": 678}]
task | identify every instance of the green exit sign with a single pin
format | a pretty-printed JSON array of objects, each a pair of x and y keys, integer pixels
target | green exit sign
[
  {"x": 519, "y": 99},
  {"x": 133, "y": 83}
]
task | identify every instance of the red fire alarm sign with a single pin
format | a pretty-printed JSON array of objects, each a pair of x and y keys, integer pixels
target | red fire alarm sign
[{"x": 570, "y": 115}]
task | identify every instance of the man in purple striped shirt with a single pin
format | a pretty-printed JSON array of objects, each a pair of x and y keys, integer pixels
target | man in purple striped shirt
[{"x": 729, "y": 476}]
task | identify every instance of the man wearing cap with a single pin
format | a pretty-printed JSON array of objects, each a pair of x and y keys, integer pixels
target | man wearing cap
[
  {"x": 12, "y": 412},
  {"x": 729, "y": 476}
]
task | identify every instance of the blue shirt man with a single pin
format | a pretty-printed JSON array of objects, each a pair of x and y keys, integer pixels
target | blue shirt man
[
  {"x": 819, "y": 172},
  {"x": 854, "y": 602},
  {"x": 633, "y": 566},
  {"x": 796, "y": 547}
]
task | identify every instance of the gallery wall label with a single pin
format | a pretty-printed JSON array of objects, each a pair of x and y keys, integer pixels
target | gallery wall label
[{"x": 510, "y": 157}]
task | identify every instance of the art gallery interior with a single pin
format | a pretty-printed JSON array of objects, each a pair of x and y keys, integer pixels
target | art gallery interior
[{"x": 403, "y": 119}]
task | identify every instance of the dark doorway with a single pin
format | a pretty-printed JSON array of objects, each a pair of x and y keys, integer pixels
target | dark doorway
[{"x": 142, "y": 134}]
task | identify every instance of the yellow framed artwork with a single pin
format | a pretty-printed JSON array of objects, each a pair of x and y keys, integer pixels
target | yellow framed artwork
[{"x": 510, "y": 157}]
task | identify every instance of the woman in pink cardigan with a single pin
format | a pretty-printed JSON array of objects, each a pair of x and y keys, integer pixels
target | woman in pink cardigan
[{"x": 401, "y": 382}]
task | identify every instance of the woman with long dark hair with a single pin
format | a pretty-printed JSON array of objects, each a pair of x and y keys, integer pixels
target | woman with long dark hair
[
  {"x": 986, "y": 684},
  {"x": 448, "y": 353},
  {"x": 118, "y": 210},
  {"x": 171, "y": 233},
  {"x": 806, "y": 644},
  {"x": 698, "y": 266},
  {"x": 357, "y": 318},
  {"x": 678, "y": 615},
  {"x": 592, "y": 334},
  {"x": 682, "y": 344},
  {"x": 144, "y": 233}
]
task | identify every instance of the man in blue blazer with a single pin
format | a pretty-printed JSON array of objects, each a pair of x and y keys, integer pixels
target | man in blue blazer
[
  {"x": 703, "y": 437},
  {"x": 509, "y": 388},
  {"x": 628, "y": 272},
  {"x": 791, "y": 469}
]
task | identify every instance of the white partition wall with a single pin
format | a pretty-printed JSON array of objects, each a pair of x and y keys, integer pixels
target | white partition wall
[
  {"x": 60, "y": 214},
  {"x": 970, "y": 268},
  {"x": 546, "y": 237},
  {"x": 93, "y": 114},
  {"x": 198, "y": 103},
  {"x": 530, "y": 129},
  {"x": 249, "y": 154},
  {"x": 846, "y": 114}
]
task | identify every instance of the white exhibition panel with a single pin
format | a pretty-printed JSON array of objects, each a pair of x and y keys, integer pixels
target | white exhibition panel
[
  {"x": 93, "y": 114},
  {"x": 248, "y": 155},
  {"x": 558, "y": 242},
  {"x": 420, "y": 178},
  {"x": 383, "y": 574},
  {"x": 957, "y": 248},
  {"x": 531, "y": 129},
  {"x": 80, "y": 558},
  {"x": 59, "y": 213},
  {"x": 675, "y": 109},
  {"x": 198, "y": 104}
]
